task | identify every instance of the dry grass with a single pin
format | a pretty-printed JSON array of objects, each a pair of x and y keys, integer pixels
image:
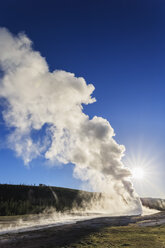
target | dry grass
[{"x": 128, "y": 236}]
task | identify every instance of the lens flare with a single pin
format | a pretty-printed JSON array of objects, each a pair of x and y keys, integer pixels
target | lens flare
[{"x": 138, "y": 173}]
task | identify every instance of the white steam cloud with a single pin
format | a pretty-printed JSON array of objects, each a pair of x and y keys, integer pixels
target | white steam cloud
[{"x": 45, "y": 113}]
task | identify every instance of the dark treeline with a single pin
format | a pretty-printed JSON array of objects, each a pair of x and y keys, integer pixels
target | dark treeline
[
  {"x": 154, "y": 203},
  {"x": 24, "y": 199}
]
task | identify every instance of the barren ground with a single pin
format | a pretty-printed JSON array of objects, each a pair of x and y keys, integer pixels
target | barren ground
[{"x": 133, "y": 232}]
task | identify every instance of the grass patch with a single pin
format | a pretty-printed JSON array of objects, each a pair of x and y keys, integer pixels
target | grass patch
[{"x": 129, "y": 236}]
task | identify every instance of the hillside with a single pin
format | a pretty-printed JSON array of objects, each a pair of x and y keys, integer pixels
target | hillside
[
  {"x": 155, "y": 203},
  {"x": 24, "y": 199}
]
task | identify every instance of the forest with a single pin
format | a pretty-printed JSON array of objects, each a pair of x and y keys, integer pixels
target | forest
[{"x": 26, "y": 199}]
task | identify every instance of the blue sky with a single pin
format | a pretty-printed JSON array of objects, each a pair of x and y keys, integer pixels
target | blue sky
[{"x": 119, "y": 46}]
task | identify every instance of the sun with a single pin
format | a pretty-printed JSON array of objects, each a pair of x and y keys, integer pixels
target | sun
[{"x": 138, "y": 173}]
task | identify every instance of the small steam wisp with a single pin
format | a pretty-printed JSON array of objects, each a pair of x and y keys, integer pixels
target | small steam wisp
[{"x": 45, "y": 113}]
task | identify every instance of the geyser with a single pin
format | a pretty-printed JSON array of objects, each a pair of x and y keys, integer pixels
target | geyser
[{"x": 52, "y": 102}]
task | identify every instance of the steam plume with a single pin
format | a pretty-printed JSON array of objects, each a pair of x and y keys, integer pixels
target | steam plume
[{"x": 48, "y": 105}]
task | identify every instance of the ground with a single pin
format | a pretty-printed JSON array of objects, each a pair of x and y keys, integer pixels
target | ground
[
  {"x": 131, "y": 237},
  {"x": 105, "y": 232}
]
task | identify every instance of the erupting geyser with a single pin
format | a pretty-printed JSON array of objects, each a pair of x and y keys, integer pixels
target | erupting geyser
[{"x": 50, "y": 103}]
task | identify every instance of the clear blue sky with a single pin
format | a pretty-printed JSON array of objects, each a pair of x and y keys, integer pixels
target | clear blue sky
[{"x": 119, "y": 46}]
